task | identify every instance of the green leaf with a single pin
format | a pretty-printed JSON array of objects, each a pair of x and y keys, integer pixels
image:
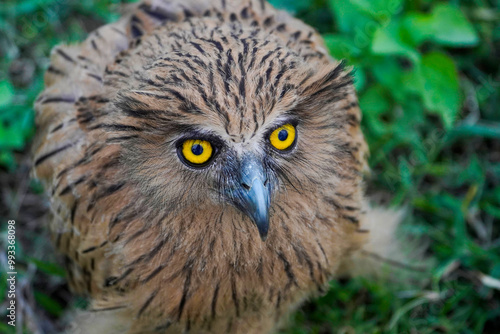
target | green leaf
[
  {"x": 11, "y": 138},
  {"x": 492, "y": 210},
  {"x": 437, "y": 80},
  {"x": 380, "y": 9},
  {"x": 405, "y": 172},
  {"x": 6, "y": 93},
  {"x": 452, "y": 28},
  {"x": 473, "y": 173},
  {"x": 350, "y": 18},
  {"x": 419, "y": 27},
  {"x": 30, "y": 6},
  {"x": 341, "y": 47},
  {"x": 392, "y": 76},
  {"x": 375, "y": 103},
  {"x": 446, "y": 25},
  {"x": 48, "y": 268},
  {"x": 26, "y": 122},
  {"x": 359, "y": 79},
  {"x": 7, "y": 160},
  {"x": 49, "y": 304},
  {"x": 388, "y": 41}
]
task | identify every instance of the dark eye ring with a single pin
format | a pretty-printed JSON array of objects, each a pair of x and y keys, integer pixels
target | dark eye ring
[
  {"x": 284, "y": 137},
  {"x": 196, "y": 153}
]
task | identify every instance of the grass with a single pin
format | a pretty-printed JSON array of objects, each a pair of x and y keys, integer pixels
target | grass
[{"x": 428, "y": 78}]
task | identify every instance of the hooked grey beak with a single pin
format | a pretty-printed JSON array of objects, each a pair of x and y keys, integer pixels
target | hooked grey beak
[{"x": 253, "y": 194}]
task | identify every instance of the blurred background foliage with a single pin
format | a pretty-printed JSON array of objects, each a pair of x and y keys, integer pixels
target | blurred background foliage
[{"x": 428, "y": 78}]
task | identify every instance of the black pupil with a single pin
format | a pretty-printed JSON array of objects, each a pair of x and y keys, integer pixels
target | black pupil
[
  {"x": 197, "y": 149},
  {"x": 283, "y": 135}
]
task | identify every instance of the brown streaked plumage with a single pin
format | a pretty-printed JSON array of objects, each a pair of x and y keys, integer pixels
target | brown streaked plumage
[{"x": 160, "y": 246}]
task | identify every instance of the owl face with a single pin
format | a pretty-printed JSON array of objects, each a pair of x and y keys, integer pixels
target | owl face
[
  {"x": 246, "y": 173},
  {"x": 242, "y": 124}
]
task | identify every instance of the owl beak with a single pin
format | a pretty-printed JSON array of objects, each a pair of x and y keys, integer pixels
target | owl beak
[{"x": 254, "y": 193}]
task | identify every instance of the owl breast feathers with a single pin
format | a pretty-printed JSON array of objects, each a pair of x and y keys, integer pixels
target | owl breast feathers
[{"x": 204, "y": 164}]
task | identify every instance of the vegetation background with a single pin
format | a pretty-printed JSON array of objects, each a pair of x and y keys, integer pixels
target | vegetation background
[{"x": 428, "y": 78}]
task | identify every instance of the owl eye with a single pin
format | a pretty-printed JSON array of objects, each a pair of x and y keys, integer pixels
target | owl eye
[
  {"x": 283, "y": 137},
  {"x": 196, "y": 152}
]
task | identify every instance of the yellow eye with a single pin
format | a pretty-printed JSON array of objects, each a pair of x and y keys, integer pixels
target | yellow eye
[
  {"x": 283, "y": 137},
  {"x": 196, "y": 151}
]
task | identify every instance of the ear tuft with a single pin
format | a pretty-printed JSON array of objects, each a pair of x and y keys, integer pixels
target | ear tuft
[{"x": 329, "y": 85}]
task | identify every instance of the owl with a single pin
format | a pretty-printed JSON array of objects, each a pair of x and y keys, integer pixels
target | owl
[{"x": 204, "y": 164}]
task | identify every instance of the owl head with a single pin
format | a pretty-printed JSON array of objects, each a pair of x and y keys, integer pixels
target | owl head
[{"x": 210, "y": 119}]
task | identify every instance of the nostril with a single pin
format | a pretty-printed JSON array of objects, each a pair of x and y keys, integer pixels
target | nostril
[
  {"x": 266, "y": 182},
  {"x": 246, "y": 186}
]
